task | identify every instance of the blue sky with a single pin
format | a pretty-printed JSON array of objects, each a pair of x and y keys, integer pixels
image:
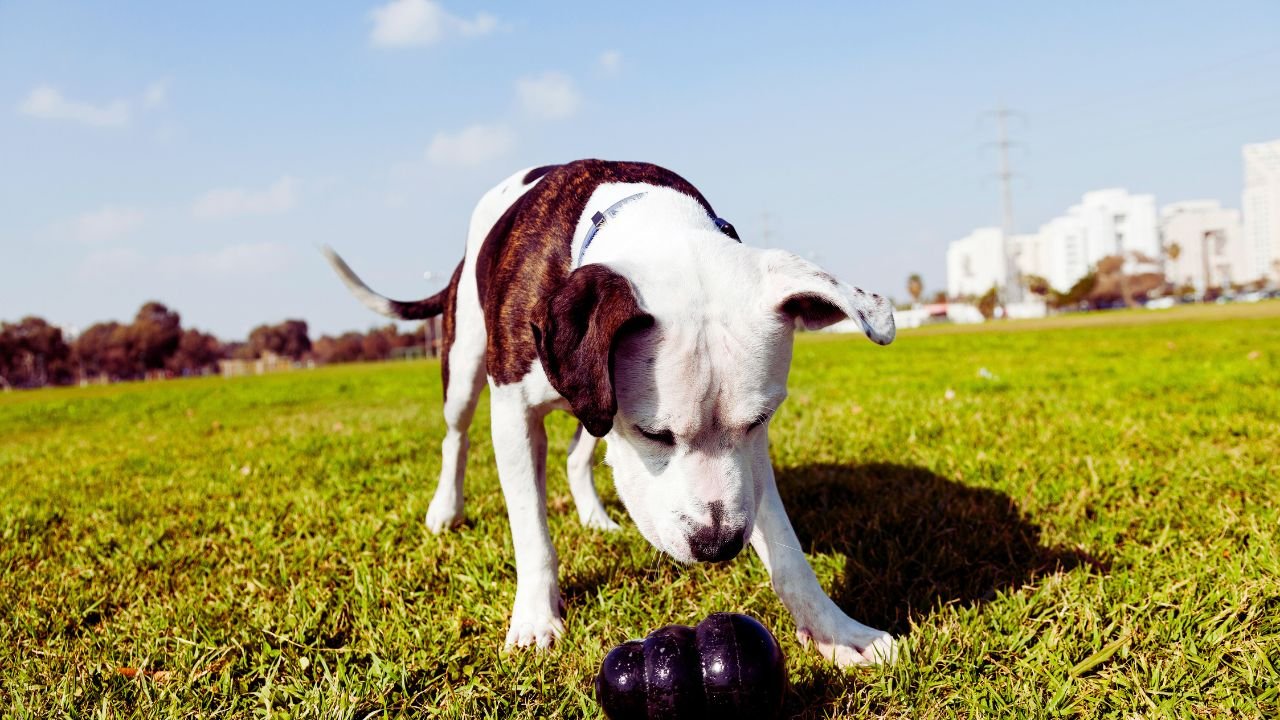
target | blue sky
[{"x": 197, "y": 153}]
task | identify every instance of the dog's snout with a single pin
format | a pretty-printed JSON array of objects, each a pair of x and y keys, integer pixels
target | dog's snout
[
  {"x": 714, "y": 545},
  {"x": 715, "y": 542}
]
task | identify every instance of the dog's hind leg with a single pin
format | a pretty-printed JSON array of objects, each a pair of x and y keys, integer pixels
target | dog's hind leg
[
  {"x": 462, "y": 368},
  {"x": 582, "y": 482}
]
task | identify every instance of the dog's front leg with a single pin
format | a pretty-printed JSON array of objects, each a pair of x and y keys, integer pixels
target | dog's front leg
[
  {"x": 818, "y": 619},
  {"x": 520, "y": 447}
]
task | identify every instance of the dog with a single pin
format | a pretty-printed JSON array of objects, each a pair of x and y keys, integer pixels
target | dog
[{"x": 613, "y": 291}]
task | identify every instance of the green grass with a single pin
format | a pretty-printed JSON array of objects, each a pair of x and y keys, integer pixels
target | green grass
[{"x": 1092, "y": 532}]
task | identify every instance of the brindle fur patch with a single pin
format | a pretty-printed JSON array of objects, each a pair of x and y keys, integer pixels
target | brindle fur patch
[{"x": 527, "y": 256}]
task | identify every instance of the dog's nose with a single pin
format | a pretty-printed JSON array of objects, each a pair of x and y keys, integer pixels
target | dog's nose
[{"x": 713, "y": 544}]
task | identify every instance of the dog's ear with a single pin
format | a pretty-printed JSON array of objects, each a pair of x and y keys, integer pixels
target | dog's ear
[
  {"x": 576, "y": 333},
  {"x": 812, "y": 298}
]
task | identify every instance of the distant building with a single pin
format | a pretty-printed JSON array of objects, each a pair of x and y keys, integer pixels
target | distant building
[
  {"x": 1261, "y": 207},
  {"x": 975, "y": 263},
  {"x": 1105, "y": 222},
  {"x": 1216, "y": 245},
  {"x": 268, "y": 363},
  {"x": 1210, "y": 245}
]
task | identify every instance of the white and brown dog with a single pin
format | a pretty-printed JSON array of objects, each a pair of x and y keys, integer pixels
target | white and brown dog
[{"x": 611, "y": 290}]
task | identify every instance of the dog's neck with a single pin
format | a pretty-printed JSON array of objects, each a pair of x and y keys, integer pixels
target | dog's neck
[
  {"x": 590, "y": 236},
  {"x": 666, "y": 244},
  {"x": 598, "y": 220},
  {"x": 642, "y": 224}
]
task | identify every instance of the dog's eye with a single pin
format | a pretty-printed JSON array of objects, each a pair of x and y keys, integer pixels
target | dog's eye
[
  {"x": 665, "y": 437},
  {"x": 761, "y": 419}
]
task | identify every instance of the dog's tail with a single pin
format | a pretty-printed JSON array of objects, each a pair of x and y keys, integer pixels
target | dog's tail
[{"x": 414, "y": 310}]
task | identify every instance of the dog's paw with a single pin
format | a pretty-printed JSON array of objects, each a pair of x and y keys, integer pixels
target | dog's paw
[
  {"x": 600, "y": 520},
  {"x": 534, "y": 630},
  {"x": 852, "y": 644},
  {"x": 442, "y": 516}
]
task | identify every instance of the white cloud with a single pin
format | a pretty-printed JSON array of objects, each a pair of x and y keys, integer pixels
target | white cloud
[
  {"x": 474, "y": 145},
  {"x": 405, "y": 23},
  {"x": 107, "y": 223},
  {"x": 239, "y": 259},
  {"x": 156, "y": 94},
  {"x": 282, "y": 196},
  {"x": 610, "y": 61},
  {"x": 482, "y": 24},
  {"x": 111, "y": 264},
  {"x": 550, "y": 95},
  {"x": 48, "y": 103}
]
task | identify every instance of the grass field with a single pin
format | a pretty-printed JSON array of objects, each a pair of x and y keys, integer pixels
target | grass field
[{"x": 1089, "y": 531}]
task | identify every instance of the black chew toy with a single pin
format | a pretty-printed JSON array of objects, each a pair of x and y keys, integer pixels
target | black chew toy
[{"x": 729, "y": 666}]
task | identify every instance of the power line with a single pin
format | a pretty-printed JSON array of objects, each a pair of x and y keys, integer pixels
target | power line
[{"x": 1013, "y": 277}]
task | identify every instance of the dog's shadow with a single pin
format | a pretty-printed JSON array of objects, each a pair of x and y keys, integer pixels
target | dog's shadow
[{"x": 913, "y": 540}]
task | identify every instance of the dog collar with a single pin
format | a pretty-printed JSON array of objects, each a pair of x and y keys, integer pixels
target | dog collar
[
  {"x": 598, "y": 221},
  {"x": 600, "y": 218}
]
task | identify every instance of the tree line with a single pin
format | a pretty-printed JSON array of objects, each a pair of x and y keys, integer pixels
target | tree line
[{"x": 35, "y": 353}]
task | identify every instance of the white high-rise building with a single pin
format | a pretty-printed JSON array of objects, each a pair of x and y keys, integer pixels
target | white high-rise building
[
  {"x": 1210, "y": 245},
  {"x": 1261, "y": 207},
  {"x": 1105, "y": 222},
  {"x": 975, "y": 263}
]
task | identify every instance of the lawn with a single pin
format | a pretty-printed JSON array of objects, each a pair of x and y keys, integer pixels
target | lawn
[{"x": 1063, "y": 517}]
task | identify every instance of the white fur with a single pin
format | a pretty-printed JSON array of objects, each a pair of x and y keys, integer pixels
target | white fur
[
  {"x": 520, "y": 448},
  {"x": 716, "y": 359}
]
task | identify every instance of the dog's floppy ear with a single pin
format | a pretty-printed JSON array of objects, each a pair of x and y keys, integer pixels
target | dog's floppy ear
[
  {"x": 814, "y": 299},
  {"x": 576, "y": 332}
]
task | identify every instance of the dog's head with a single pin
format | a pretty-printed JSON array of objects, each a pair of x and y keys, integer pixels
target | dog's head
[{"x": 684, "y": 376}]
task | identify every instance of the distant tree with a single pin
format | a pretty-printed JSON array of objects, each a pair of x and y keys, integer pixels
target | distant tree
[
  {"x": 296, "y": 342},
  {"x": 348, "y": 347},
  {"x": 322, "y": 349},
  {"x": 36, "y": 353},
  {"x": 156, "y": 331},
  {"x": 242, "y": 351},
  {"x": 988, "y": 302},
  {"x": 8, "y": 350},
  {"x": 105, "y": 349},
  {"x": 1110, "y": 265},
  {"x": 377, "y": 343},
  {"x": 940, "y": 297},
  {"x": 33, "y": 353},
  {"x": 1037, "y": 285},
  {"x": 288, "y": 339},
  {"x": 915, "y": 286},
  {"x": 1077, "y": 295},
  {"x": 417, "y": 338},
  {"x": 197, "y": 353},
  {"x": 1112, "y": 284},
  {"x": 261, "y": 339}
]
